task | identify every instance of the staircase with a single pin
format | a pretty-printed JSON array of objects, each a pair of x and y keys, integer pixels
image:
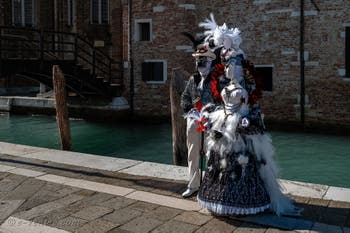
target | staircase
[{"x": 31, "y": 53}]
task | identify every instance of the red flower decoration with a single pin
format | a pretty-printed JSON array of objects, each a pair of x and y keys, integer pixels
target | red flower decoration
[
  {"x": 201, "y": 124},
  {"x": 218, "y": 71},
  {"x": 198, "y": 105}
]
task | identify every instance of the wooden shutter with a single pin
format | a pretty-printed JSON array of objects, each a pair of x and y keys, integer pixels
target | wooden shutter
[{"x": 28, "y": 13}]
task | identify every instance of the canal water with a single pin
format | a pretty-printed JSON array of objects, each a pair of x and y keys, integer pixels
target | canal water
[{"x": 314, "y": 158}]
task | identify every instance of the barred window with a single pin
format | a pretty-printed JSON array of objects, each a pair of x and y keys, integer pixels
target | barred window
[
  {"x": 23, "y": 13},
  {"x": 143, "y": 29},
  {"x": 154, "y": 71},
  {"x": 265, "y": 72},
  {"x": 100, "y": 11}
]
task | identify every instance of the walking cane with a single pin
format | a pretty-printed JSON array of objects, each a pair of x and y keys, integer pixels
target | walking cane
[{"x": 201, "y": 154}]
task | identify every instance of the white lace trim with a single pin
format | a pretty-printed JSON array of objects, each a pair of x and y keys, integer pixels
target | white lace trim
[{"x": 223, "y": 209}]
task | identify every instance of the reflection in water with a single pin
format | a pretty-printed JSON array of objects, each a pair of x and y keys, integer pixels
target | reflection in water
[{"x": 303, "y": 157}]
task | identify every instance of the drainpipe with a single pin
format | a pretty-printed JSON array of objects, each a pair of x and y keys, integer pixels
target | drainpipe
[
  {"x": 302, "y": 61},
  {"x": 132, "y": 92},
  {"x": 302, "y": 66}
]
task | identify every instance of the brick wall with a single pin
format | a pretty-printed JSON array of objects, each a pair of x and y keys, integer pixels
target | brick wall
[
  {"x": 270, "y": 31},
  {"x": 169, "y": 19}
]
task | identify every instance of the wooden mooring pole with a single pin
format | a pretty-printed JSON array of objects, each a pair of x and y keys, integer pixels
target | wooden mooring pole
[
  {"x": 59, "y": 86},
  {"x": 177, "y": 86}
]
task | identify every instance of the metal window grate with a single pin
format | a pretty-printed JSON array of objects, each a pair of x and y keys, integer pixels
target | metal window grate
[
  {"x": 266, "y": 75},
  {"x": 100, "y": 11},
  {"x": 153, "y": 71},
  {"x": 23, "y": 13},
  {"x": 144, "y": 31},
  {"x": 104, "y": 11}
]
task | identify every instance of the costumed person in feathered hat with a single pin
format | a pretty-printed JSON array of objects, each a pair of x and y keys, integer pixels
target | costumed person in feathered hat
[
  {"x": 241, "y": 174},
  {"x": 203, "y": 88}
]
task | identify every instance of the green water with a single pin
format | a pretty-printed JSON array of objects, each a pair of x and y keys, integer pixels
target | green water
[{"x": 303, "y": 157}]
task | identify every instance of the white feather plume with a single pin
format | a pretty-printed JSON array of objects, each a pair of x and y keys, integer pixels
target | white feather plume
[
  {"x": 209, "y": 25},
  {"x": 264, "y": 150}
]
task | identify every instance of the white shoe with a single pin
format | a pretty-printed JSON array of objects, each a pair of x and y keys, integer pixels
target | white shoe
[{"x": 189, "y": 192}]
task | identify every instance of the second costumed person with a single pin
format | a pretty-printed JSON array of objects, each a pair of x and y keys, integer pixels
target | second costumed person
[{"x": 241, "y": 175}]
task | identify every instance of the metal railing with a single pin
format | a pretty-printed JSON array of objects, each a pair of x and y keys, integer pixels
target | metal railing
[{"x": 42, "y": 45}]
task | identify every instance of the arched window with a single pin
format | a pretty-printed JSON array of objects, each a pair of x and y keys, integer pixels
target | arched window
[{"x": 23, "y": 13}]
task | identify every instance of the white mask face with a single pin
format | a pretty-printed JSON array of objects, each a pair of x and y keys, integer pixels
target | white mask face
[
  {"x": 204, "y": 70},
  {"x": 227, "y": 43}
]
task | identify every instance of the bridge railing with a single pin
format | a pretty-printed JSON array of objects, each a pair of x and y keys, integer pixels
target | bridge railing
[{"x": 42, "y": 45}]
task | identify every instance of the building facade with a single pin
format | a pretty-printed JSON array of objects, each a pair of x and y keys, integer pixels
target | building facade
[
  {"x": 97, "y": 21},
  {"x": 270, "y": 31},
  {"x": 145, "y": 36}
]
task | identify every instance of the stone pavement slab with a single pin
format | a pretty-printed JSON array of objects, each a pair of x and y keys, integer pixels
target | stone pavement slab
[
  {"x": 165, "y": 200},
  {"x": 174, "y": 226},
  {"x": 279, "y": 222},
  {"x": 141, "y": 224},
  {"x": 5, "y": 168},
  {"x": 81, "y": 159},
  {"x": 338, "y": 194},
  {"x": 94, "y": 199},
  {"x": 118, "y": 230},
  {"x": 193, "y": 218},
  {"x": 54, "y": 178},
  {"x": 303, "y": 189},
  {"x": 250, "y": 228},
  {"x": 117, "y": 202},
  {"x": 97, "y": 225},
  {"x": 274, "y": 230},
  {"x": 18, "y": 150},
  {"x": 143, "y": 206},
  {"x": 90, "y": 185},
  {"x": 15, "y": 225},
  {"x": 47, "y": 207},
  {"x": 158, "y": 170},
  {"x": 122, "y": 216},
  {"x": 52, "y": 217},
  {"x": 26, "y": 172},
  {"x": 7, "y": 207},
  {"x": 219, "y": 225},
  {"x": 25, "y": 190},
  {"x": 70, "y": 223},
  {"x": 92, "y": 212},
  {"x": 10, "y": 182},
  {"x": 99, "y": 187},
  {"x": 163, "y": 213},
  {"x": 48, "y": 193}
]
